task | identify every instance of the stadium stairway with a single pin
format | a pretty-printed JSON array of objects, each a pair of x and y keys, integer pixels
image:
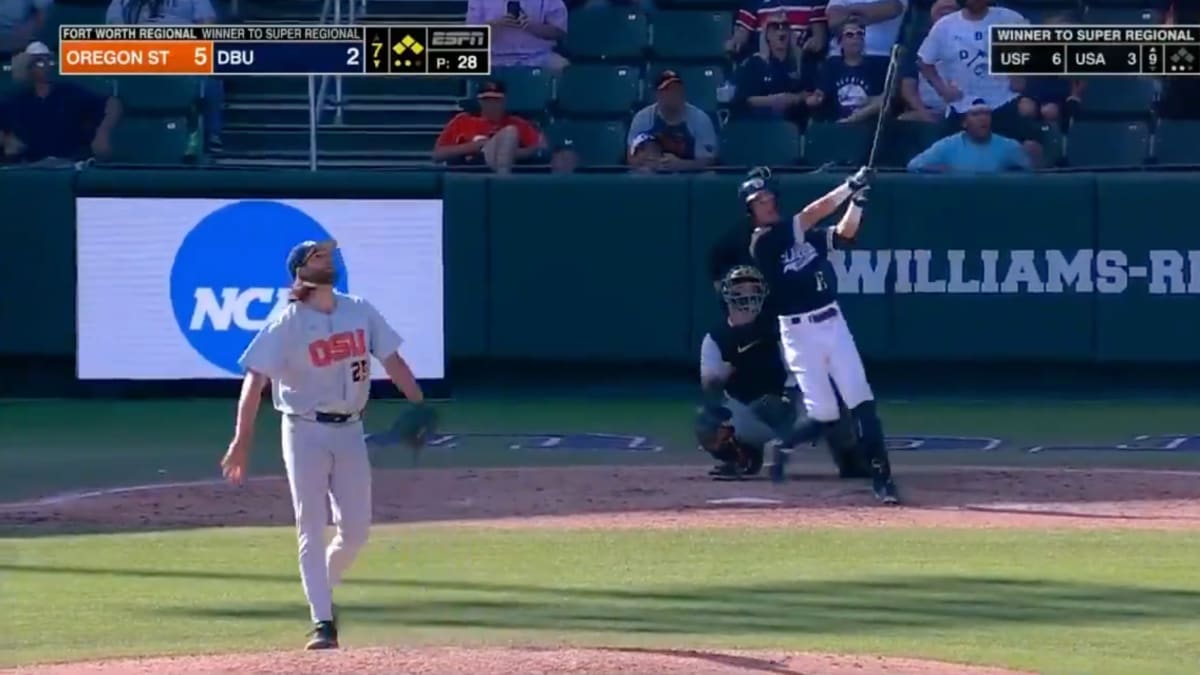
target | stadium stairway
[{"x": 385, "y": 121}]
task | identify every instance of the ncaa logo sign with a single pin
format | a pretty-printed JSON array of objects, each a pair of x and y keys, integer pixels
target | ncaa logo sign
[{"x": 230, "y": 275}]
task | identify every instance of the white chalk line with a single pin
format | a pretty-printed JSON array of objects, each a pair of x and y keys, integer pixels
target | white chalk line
[{"x": 64, "y": 498}]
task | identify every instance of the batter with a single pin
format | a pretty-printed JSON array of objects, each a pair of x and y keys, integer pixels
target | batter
[{"x": 317, "y": 356}]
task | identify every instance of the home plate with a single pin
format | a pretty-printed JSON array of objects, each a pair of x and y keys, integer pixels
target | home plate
[{"x": 744, "y": 501}]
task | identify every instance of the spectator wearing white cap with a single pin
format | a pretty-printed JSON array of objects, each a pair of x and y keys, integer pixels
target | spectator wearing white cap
[
  {"x": 21, "y": 22},
  {"x": 975, "y": 149},
  {"x": 46, "y": 119},
  {"x": 645, "y": 153}
]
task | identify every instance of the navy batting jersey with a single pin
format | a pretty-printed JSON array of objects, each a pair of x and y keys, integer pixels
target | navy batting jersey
[{"x": 799, "y": 273}]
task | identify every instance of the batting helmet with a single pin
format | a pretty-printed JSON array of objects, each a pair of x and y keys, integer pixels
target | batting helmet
[{"x": 757, "y": 181}]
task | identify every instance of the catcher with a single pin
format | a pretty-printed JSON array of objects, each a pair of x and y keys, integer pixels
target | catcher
[{"x": 745, "y": 387}]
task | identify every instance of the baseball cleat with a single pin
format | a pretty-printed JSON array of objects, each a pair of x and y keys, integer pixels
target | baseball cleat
[
  {"x": 779, "y": 457},
  {"x": 725, "y": 469},
  {"x": 885, "y": 492},
  {"x": 323, "y": 636}
]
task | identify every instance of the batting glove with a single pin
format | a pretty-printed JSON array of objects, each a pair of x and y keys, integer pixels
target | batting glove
[
  {"x": 860, "y": 179},
  {"x": 859, "y": 198}
]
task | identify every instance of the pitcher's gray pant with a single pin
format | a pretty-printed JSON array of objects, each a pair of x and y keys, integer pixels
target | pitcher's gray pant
[{"x": 327, "y": 462}]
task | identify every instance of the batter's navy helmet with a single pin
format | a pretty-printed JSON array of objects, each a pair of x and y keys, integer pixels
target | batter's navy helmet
[{"x": 758, "y": 180}]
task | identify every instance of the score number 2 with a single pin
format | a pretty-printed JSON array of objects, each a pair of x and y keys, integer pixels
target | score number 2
[{"x": 352, "y": 56}]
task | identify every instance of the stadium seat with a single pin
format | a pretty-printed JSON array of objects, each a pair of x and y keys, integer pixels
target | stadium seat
[
  {"x": 751, "y": 143},
  {"x": 1177, "y": 142},
  {"x": 841, "y": 144},
  {"x": 1107, "y": 144},
  {"x": 158, "y": 95},
  {"x": 1052, "y": 145},
  {"x": 1118, "y": 97},
  {"x": 702, "y": 83},
  {"x": 1129, "y": 15},
  {"x": 604, "y": 32},
  {"x": 599, "y": 91},
  {"x": 530, "y": 90},
  {"x": 690, "y": 35},
  {"x": 79, "y": 14},
  {"x": 7, "y": 83},
  {"x": 596, "y": 143},
  {"x": 99, "y": 85},
  {"x": 904, "y": 139},
  {"x": 150, "y": 140}
]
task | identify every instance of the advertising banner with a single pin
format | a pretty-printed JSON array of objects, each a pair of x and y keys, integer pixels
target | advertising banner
[{"x": 174, "y": 289}]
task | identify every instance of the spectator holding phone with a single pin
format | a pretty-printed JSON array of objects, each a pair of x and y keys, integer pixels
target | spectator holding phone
[{"x": 524, "y": 32}]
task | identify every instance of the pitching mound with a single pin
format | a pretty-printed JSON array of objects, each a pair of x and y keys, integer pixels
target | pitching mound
[
  {"x": 534, "y": 661},
  {"x": 647, "y": 497}
]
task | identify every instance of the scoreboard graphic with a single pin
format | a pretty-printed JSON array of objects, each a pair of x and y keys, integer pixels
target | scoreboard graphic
[
  {"x": 1095, "y": 50},
  {"x": 445, "y": 50}
]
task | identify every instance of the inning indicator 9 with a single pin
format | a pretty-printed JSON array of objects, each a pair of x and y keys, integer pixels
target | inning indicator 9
[
  {"x": 275, "y": 50},
  {"x": 1095, "y": 50}
]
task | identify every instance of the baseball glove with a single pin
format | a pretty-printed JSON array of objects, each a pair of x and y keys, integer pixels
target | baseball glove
[{"x": 416, "y": 423}]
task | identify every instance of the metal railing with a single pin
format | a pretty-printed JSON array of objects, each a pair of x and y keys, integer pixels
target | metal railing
[{"x": 317, "y": 103}]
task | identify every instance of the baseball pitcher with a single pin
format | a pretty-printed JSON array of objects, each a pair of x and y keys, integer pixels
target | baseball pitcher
[{"x": 317, "y": 356}]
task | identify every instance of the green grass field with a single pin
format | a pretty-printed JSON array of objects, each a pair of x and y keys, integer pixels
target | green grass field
[{"x": 1054, "y": 601}]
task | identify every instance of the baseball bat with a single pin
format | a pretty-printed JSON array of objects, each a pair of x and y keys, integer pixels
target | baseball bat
[{"x": 889, "y": 89}]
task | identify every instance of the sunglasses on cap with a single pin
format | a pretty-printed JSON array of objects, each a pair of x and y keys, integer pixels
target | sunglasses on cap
[{"x": 854, "y": 33}]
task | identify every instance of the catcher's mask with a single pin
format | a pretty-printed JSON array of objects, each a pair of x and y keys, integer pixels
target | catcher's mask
[{"x": 744, "y": 290}]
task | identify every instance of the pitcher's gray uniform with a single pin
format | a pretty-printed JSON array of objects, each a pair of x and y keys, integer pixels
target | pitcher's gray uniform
[{"x": 320, "y": 370}]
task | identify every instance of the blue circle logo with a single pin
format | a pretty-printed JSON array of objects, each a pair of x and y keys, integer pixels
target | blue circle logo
[{"x": 230, "y": 275}]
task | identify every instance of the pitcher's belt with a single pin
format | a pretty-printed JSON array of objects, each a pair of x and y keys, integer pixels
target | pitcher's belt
[{"x": 330, "y": 418}]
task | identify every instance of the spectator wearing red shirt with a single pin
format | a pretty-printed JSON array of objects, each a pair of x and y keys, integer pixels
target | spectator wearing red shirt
[
  {"x": 492, "y": 138},
  {"x": 810, "y": 29}
]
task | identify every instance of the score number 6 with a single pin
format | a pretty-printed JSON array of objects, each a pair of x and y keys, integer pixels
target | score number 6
[{"x": 1056, "y": 58}]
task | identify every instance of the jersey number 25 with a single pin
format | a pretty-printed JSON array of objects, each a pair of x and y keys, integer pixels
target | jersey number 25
[{"x": 360, "y": 370}]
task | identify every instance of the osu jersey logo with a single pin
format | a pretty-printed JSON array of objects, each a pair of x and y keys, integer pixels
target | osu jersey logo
[{"x": 230, "y": 275}]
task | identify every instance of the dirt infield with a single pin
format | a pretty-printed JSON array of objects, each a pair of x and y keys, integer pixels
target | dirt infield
[
  {"x": 531, "y": 661},
  {"x": 646, "y": 497},
  {"x": 627, "y": 497}
]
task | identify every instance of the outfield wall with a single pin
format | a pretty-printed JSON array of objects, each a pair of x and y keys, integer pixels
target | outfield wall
[{"x": 1078, "y": 268}]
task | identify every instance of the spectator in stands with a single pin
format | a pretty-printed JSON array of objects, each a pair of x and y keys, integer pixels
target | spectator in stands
[
  {"x": 810, "y": 31},
  {"x": 850, "y": 86},
  {"x": 774, "y": 84},
  {"x": 922, "y": 102},
  {"x": 179, "y": 13},
  {"x": 493, "y": 138},
  {"x": 46, "y": 119},
  {"x": 975, "y": 149},
  {"x": 882, "y": 19},
  {"x": 21, "y": 22},
  {"x": 684, "y": 132},
  {"x": 645, "y": 154},
  {"x": 563, "y": 158},
  {"x": 957, "y": 47},
  {"x": 1054, "y": 100},
  {"x": 524, "y": 32}
]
